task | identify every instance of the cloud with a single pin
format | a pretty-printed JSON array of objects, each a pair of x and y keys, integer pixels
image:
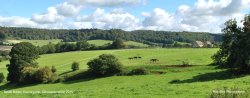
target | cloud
[
  {"x": 158, "y": 19},
  {"x": 210, "y": 15},
  {"x": 16, "y": 21},
  {"x": 203, "y": 16},
  {"x": 66, "y": 9},
  {"x": 51, "y": 16},
  {"x": 106, "y": 3},
  {"x": 109, "y": 20}
]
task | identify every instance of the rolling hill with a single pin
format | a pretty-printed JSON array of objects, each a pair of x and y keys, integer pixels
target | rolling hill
[{"x": 196, "y": 81}]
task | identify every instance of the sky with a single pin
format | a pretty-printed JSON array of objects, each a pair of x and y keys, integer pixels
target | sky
[{"x": 166, "y": 15}]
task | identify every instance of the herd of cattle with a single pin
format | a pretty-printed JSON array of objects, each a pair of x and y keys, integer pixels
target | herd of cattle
[{"x": 139, "y": 57}]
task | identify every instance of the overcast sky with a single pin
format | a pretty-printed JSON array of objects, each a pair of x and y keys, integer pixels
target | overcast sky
[{"x": 167, "y": 15}]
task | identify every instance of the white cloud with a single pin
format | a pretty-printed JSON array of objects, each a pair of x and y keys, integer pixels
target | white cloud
[
  {"x": 106, "y": 3},
  {"x": 16, "y": 21},
  {"x": 67, "y": 9},
  {"x": 47, "y": 18},
  {"x": 159, "y": 18},
  {"x": 113, "y": 19},
  {"x": 209, "y": 15},
  {"x": 203, "y": 16}
]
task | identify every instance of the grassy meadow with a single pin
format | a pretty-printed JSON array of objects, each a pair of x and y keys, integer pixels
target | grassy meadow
[
  {"x": 95, "y": 42},
  {"x": 194, "y": 82}
]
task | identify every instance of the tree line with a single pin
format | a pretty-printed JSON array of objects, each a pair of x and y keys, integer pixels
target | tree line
[
  {"x": 79, "y": 46},
  {"x": 144, "y": 36}
]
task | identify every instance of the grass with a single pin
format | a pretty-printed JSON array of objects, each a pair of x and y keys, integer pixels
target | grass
[
  {"x": 99, "y": 42},
  {"x": 193, "y": 82},
  {"x": 36, "y": 42},
  {"x": 55, "y": 41},
  {"x": 129, "y": 43}
]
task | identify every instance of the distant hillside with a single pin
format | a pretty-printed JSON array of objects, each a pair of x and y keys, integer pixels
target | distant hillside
[{"x": 145, "y": 36}]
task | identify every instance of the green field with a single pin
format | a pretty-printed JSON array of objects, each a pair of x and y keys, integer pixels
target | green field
[
  {"x": 55, "y": 41},
  {"x": 196, "y": 82},
  {"x": 36, "y": 42}
]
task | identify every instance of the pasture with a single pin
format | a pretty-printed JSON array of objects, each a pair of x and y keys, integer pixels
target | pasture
[
  {"x": 95, "y": 42},
  {"x": 194, "y": 82}
]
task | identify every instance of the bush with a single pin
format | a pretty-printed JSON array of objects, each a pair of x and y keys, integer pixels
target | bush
[
  {"x": 28, "y": 75},
  {"x": 75, "y": 66},
  {"x": 139, "y": 71},
  {"x": 53, "y": 69},
  {"x": 1, "y": 77},
  {"x": 185, "y": 63},
  {"x": 44, "y": 75},
  {"x": 105, "y": 65}
]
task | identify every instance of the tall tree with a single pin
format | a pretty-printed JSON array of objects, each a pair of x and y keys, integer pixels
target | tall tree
[
  {"x": 234, "y": 51},
  {"x": 22, "y": 55}
]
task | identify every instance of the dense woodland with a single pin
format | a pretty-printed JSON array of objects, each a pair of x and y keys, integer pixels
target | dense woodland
[{"x": 145, "y": 36}]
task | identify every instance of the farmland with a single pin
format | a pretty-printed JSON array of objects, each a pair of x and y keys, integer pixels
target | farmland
[
  {"x": 196, "y": 81},
  {"x": 55, "y": 41}
]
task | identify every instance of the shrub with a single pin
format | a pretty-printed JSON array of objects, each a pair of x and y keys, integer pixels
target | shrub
[
  {"x": 105, "y": 65},
  {"x": 185, "y": 63},
  {"x": 75, "y": 66},
  {"x": 1, "y": 77},
  {"x": 53, "y": 69},
  {"x": 28, "y": 74},
  {"x": 139, "y": 71},
  {"x": 44, "y": 75},
  {"x": 118, "y": 44},
  {"x": 54, "y": 78}
]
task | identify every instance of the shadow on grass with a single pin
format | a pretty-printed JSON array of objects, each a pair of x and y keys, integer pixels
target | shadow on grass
[
  {"x": 10, "y": 86},
  {"x": 65, "y": 72},
  {"x": 218, "y": 75},
  {"x": 80, "y": 76}
]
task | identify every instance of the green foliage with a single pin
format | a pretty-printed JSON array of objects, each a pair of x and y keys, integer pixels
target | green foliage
[
  {"x": 53, "y": 69},
  {"x": 49, "y": 48},
  {"x": 234, "y": 51},
  {"x": 144, "y": 36},
  {"x": 44, "y": 75},
  {"x": 139, "y": 71},
  {"x": 28, "y": 75},
  {"x": 117, "y": 44},
  {"x": 22, "y": 55},
  {"x": 105, "y": 65},
  {"x": 82, "y": 45},
  {"x": 75, "y": 66},
  {"x": 185, "y": 63},
  {"x": 65, "y": 47},
  {"x": 1, "y": 77},
  {"x": 4, "y": 55},
  {"x": 2, "y": 36}
]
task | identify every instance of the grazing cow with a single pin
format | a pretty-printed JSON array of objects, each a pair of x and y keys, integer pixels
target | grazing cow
[
  {"x": 139, "y": 57},
  {"x": 135, "y": 57},
  {"x": 154, "y": 60}
]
